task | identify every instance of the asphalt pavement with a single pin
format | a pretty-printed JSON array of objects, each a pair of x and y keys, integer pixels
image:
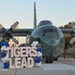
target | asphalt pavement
[{"x": 60, "y": 67}]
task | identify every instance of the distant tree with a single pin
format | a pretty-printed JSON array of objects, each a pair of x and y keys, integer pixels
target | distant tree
[
  {"x": 13, "y": 45},
  {"x": 61, "y": 27},
  {"x": 67, "y": 26},
  {"x": 67, "y": 38},
  {"x": 67, "y": 42}
]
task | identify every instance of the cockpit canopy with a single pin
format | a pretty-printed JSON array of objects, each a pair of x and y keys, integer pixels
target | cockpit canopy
[
  {"x": 42, "y": 31},
  {"x": 44, "y": 22}
]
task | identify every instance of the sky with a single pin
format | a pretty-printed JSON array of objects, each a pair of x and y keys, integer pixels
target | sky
[{"x": 60, "y": 12}]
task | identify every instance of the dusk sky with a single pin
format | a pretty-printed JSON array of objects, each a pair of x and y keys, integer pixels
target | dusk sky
[{"x": 60, "y": 12}]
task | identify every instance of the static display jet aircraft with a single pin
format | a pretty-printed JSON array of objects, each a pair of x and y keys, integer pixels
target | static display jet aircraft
[{"x": 50, "y": 37}]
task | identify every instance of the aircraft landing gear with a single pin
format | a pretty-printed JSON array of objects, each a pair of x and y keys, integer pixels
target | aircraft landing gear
[
  {"x": 56, "y": 58},
  {"x": 49, "y": 60}
]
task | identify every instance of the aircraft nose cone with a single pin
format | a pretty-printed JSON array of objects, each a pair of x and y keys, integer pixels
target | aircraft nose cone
[{"x": 53, "y": 42}]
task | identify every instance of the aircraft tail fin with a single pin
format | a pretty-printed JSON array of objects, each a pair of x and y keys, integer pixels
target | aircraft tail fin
[{"x": 35, "y": 22}]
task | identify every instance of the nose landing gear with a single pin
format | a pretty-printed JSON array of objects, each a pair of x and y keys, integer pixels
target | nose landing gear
[{"x": 49, "y": 60}]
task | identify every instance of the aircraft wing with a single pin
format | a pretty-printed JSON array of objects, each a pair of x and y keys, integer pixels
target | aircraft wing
[
  {"x": 68, "y": 31},
  {"x": 19, "y": 32}
]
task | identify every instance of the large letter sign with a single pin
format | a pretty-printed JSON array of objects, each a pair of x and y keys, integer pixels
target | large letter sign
[{"x": 20, "y": 57}]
